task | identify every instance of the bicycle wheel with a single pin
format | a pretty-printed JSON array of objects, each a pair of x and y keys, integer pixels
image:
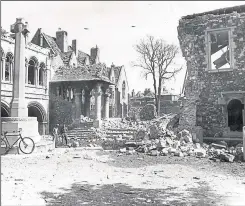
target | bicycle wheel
[
  {"x": 4, "y": 147},
  {"x": 27, "y": 145}
]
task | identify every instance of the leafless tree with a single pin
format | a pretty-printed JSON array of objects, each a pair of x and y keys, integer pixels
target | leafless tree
[{"x": 156, "y": 58}]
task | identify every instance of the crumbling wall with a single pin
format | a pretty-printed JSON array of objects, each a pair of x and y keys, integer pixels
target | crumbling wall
[{"x": 203, "y": 88}]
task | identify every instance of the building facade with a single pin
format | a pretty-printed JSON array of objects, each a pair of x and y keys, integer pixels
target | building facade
[
  {"x": 51, "y": 66},
  {"x": 38, "y": 70},
  {"x": 213, "y": 45}
]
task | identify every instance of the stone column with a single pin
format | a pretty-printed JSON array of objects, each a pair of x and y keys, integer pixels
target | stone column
[
  {"x": 26, "y": 74},
  {"x": 78, "y": 102},
  {"x": 37, "y": 81},
  {"x": 18, "y": 106},
  {"x": 87, "y": 103},
  {"x": 98, "y": 93},
  {"x": 107, "y": 97},
  {"x": 3, "y": 69}
]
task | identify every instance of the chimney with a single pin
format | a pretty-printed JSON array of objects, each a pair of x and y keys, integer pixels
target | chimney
[
  {"x": 61, "y": 40},
  {"x": 74, "y": 46},
  {"x": 40, "y": 37},
  {"x": 94, "y": 53}
]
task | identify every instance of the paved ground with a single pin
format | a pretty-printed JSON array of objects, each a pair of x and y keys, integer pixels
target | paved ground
[{"x": 72, "y": 177}]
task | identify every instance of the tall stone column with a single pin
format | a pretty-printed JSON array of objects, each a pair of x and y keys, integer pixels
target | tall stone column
[
  {"x": 98, "y": 93},
  {"x": 78, "y": 102},
  {"x": 19, "y": 112},
  {"x": 3, "y": 69},
  {"x": 18, "y": 106},
  {"x": 107, "y": 97},
  {"x": 26, "y": 74},
  {"x": 87, "y": 96}
]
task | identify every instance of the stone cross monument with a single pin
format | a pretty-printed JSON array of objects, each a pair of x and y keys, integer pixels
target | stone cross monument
[{"x": 19, "y": 112}]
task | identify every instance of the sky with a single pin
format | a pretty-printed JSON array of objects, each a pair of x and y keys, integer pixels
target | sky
[{"x": 110, "y": 27}]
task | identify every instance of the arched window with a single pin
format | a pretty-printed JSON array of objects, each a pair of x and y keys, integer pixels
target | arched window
[
  {"x": 31, "y": 72},
  {"x": 123, "y": 90},
  {"x": 8, "y": 67},
  {"x": 41, "y": 74}
]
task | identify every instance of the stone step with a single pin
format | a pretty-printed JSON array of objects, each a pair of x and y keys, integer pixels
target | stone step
[{"x": 122, "y": 130}]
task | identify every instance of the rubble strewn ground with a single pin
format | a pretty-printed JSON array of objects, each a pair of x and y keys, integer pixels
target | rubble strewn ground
[
  {"x": 153, "y": 138},
  {"x": 154, "y": 167},
  {"x": 76, "y": 176}
]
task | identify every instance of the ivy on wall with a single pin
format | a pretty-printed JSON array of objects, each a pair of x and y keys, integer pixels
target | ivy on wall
[{"x": 61, "y": 111}]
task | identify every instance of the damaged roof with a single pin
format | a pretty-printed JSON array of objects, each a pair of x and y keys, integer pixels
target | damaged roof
[
  {"x": 81, "y": 73},
  {"x": 117, "y": 72},
  {"x": 81, "y": 57},
  {"x": 228, "y": 10},
  {"x": 52, "y": 43}
]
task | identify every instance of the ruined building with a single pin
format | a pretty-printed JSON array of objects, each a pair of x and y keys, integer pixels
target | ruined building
[
  {"x": 54, "y": 68},
  {"x": 213, "y": 44}
]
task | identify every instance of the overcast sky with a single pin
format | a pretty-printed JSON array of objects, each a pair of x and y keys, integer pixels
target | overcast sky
[{"x": 110, "y": 28}]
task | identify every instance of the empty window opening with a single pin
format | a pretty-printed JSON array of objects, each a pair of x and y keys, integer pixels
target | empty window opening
[
  {"x": 8, "y": 67},
  {"x": 41, "y": 75},
  {"x": 235, "y": 117},
  {"x": 31, "y": 72},
  {"x": 219, "y": 53},
  {"x": 123, "y": 90}
]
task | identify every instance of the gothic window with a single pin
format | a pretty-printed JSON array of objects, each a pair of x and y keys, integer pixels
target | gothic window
[
  {"x": 123, "y": 90},
  {"x": 41, "y": 74},
  {"x": 219, "y": 49},
  {"x": 8, "y": 67},
  {"x": 31, "y": 72}
]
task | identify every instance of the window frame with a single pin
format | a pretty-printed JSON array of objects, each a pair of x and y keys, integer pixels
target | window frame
[{"x": 208, "y": 38}]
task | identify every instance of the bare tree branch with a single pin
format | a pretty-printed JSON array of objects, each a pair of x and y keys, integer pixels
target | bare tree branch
[{"x": 156, "y": 58}]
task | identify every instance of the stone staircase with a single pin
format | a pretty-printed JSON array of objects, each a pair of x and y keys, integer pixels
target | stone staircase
[{"x": 116, "y": 132}]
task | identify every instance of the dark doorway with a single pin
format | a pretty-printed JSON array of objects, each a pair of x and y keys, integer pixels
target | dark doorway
[
  {"x": 4, "y": 112},
  {"x": 235, "y": 117},
  {"x": 34, "y": 112}
]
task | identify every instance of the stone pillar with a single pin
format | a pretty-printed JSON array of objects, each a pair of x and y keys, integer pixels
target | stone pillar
[
  {"x": 98, "y": 93},
  {"x": 19, "y": 112},
  {"x": 78, "y": 102},
  {"x": 87, "y": 103},
  {"x": 244, "y": 143},
  {"x": 18, "y": 106},
  {"x": 107, "y": 106},
  {"x": 3, "y": 68},
  {"x": 37, "y": 81},
  {"x": 26, "y": 74},
  {"x": 57, "y": 91}
]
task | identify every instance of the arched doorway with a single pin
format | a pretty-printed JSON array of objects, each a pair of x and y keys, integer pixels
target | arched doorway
[
  {"x": 4, "y": 110},
  {"x": 235, "y": 116},
  {"x": 37, "y": 110}
]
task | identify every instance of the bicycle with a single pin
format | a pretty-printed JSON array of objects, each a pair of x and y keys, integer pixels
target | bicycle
[{"x": 24, "y": 143}]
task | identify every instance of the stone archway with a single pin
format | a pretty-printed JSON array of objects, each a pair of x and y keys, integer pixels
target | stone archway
[
  {"x": 235, "y": 115},
  {"x": 35, "y": 109},
  {"x": 5, "y": 110}
]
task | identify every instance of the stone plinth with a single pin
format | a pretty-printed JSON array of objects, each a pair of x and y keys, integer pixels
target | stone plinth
[
  {"x": 29, "y": 127},
  {"x": 97, "y": 123}
]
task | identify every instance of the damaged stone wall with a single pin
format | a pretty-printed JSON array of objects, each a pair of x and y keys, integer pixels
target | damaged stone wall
[{"x": 203, "y": 87}]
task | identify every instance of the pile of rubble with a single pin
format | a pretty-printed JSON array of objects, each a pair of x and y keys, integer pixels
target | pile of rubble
[{"x": 160, "y": 141}]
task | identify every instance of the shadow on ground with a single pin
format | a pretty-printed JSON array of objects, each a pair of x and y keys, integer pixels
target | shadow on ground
[{"x": 121, "y": 195}]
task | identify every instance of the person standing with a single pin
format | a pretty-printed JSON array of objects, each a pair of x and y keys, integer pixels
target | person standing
[
  {"x": 64, "y": 134},
  {"x": 56, "y": 134}
]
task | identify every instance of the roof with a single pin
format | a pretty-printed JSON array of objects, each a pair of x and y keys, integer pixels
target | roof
[
  {"x": 81, "y": 73},
  {"x": 81, "y": 57},
  {"x": 52, "y": 43},
  {"x": 228, "y": 10},
  {"x": 66, "y": 57},
  {"x": 117, "y": 72},
  {"x": 150, "y": 95}
]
